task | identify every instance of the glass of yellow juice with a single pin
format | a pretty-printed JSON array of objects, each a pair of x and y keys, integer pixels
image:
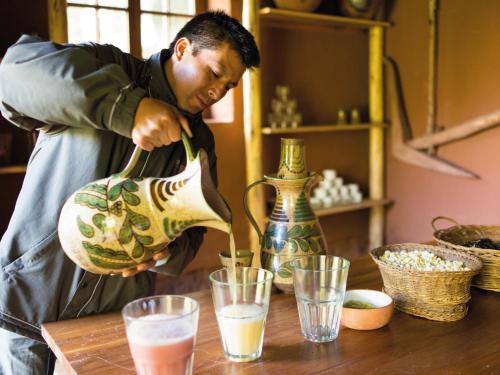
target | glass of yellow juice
[{"x": 241, "y": 301}]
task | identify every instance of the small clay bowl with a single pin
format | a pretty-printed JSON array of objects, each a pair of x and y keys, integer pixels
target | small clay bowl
[
  {"x": 243, "y": 258},
  {"x": 367, "y": 318}
]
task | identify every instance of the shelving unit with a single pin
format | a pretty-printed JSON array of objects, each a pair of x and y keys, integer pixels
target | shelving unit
[
  {"x": 254, "y": 18},
  {"x": 13, "y": 169},
  {"x": 319, "y": 128}
]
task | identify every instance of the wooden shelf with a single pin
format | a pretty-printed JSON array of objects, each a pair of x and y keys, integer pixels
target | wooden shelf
[
  {"x": 289, "y": 16},
  {"x": 366, "y": 203},
  {"x": 13, "y": 169},
  {"x": 320, "y": 128}
]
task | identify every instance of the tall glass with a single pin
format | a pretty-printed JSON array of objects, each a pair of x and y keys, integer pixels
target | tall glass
[
  {"x": 161, "y": 332},
  {"x": 241, "y": 303},
  {"x": 319, "y": 282}
]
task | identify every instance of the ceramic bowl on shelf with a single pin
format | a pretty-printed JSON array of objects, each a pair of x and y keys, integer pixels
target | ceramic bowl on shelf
[
  {"x": 298, "y": 5},
  {"x": 366, "y": 309}
]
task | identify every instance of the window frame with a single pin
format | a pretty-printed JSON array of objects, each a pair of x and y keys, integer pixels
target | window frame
[{"x": 58, "y": 20}]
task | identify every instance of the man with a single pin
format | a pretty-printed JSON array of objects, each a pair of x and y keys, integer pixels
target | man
[{"x": 93, "y": 104}]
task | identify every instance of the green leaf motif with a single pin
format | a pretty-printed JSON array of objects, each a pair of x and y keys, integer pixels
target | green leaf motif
[
  {"x": 99, "y": 221},
  {"x": 114, "y": 192},
  {"x": 130, "y": 198},
  {"x": 105, "y": 252},
  {"x": 293, "y": 245},
  {"x": 144, "y": 240},
  {"x": 84, "y": 228},
  {"x": 284, "y": 273},
  {"x": 294, "y": 232},
  {"x": 138, "y": 250},
  {"x": 139, "y": 221},
  {"x": 125, "y": 234},
  {"x": 313, "y": 244},
  {"x": 130, "y": 186},
  {"x": 91, "y": 201},
  {"x": 303, "y": 244},
  {"x": 98, "y": 188},
  {"x": 172, "y": 228}
]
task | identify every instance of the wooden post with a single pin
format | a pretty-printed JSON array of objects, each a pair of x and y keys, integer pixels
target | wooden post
[
  {"x": 252, "y": 130},
  {"x": 58, "y": 23},
  {"x": 376, "y": 109}
]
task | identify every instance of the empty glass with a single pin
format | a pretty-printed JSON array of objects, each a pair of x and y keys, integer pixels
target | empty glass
[
  {"x": 319, "y": 282},
  {"x": 241, "y": 304},
  {"x": 161, "y": 332}
]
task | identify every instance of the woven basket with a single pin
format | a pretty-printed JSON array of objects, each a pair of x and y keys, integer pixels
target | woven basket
[
  {"x": 457, "y": 235},
  {"x": 435, "y": 295}
]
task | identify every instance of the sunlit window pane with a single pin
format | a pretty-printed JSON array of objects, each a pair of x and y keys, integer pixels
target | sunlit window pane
[
  {"x": 81, "y": 24},
  {"x": 156, "y": 5},
  {"x": 175, "y": 24},
  {"x": 154, "y": 34},
  {"x": 86, "y": 2},
  {"x": 182, "y": 6},
  {"x": 114, "y": 3},
  {"x": 113, "y": 28}
]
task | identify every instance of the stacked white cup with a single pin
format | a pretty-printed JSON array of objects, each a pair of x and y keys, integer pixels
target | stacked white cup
[{"x": 332, "y": 191}]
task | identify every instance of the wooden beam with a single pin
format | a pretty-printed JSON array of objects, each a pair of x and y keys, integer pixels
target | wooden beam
[
  {"x": 58, "y": 22},
  {"x": 376, "y": 111},
  {"x": 252, "y": 130}
]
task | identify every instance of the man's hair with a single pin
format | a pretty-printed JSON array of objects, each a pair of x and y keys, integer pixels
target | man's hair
[{"x": 211, "y": 29}]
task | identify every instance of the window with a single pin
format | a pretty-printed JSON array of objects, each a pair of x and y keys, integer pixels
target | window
[{"x": 141, "y": 27}]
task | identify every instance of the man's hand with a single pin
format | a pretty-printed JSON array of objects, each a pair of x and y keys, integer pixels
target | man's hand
[
  {"x": 143, "y": 266},
  {"x": 157, "y": 124}
]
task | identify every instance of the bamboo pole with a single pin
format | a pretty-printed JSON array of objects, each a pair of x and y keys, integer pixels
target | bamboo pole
[
  {"x": 58, "y": 23},
  {"x": 252, "y": 130},
  {"x": 376, "y": 111},
  {"x": 431, "y": 80}
]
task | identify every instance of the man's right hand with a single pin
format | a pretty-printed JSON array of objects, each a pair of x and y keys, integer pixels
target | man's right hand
[{"x": 157, "y": 124}]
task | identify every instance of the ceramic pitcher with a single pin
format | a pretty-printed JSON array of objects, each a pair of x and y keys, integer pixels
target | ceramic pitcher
[
  {"x": 293, "y": 229},
  {"x": 115, "y": 223}
]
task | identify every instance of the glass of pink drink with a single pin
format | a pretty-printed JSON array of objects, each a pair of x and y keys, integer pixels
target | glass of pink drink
[{"x": 161, "y": 332}]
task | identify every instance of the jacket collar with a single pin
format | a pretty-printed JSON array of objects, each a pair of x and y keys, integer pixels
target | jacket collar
[{"x": 159, "y": 88}]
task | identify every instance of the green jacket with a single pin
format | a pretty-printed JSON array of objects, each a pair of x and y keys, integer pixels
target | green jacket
[{"x": 83, "y": 99}]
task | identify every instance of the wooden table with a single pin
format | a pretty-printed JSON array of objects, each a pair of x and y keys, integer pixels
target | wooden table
[{"x": 408, "y": 345}]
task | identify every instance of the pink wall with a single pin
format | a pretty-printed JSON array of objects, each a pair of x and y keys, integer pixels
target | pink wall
[{"x": 468, "y": 84}]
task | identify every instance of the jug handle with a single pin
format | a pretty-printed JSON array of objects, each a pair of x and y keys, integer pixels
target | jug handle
[
  {"x": 137, "y": 153},
  {"x": 247, "y": 210}
]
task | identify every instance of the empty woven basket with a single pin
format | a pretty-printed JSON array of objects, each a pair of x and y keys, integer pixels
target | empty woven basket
[{"x": 435, "y": 295}]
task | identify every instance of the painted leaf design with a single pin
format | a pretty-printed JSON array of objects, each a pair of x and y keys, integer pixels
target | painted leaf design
[
  {"x": 99, "y": 221},
  {"x": 139, "y": 221},
  {"x": 98, "y": 188},
  {"x": 125, "y": 234},
  {"x": 156, "y": 248},
  {"x": 144, "y": 240},
  {"x": 91, "y": 201},
  {"x": 268, "y": 241},
  {"x": 138, "y": 250},
  {"x": 303, "y": 244},
  {"x": 306, "y": 231},
  {"x": 293, "y": 245},
  {"x": 294, "y": 232},
  {"x": 107, "y": 258},
  {"x": 130, "y": 198},
  {"x": 284, "y": 273},
  {"x": 84, "y": 228},
  {"x": 130, "y": 186},
  {"x": 313, "y": 244},
  {"x": 114, "y": 192}
]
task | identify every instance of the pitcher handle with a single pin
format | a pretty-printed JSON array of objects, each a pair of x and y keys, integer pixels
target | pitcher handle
[
  {"x": 247, "y": 210},
  {"x": 137, "y": 153},
  {"x": 446, "y": 218}
]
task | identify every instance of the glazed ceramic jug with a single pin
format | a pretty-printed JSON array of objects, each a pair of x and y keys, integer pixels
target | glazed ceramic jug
[
  {"x": 115, "y": 223},
  {"x": 293, "y": 229}
]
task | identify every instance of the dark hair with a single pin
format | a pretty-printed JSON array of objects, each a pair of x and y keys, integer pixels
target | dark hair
[{"x": 211, "y": 29}]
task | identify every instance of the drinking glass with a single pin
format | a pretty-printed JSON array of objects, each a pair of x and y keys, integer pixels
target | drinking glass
[
  {"x": 319, "y": 282},
  {"x": 161, "y": 332},
  {"x": 241, "y": 302}
]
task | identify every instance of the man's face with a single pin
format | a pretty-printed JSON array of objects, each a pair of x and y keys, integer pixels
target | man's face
[{"x": 202, "y": 79}]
